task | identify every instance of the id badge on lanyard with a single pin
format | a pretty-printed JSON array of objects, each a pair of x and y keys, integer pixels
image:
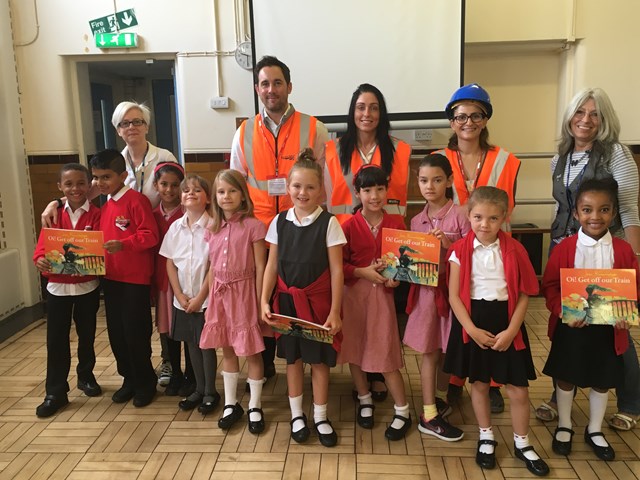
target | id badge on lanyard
[{"x": 276, "y": 185}]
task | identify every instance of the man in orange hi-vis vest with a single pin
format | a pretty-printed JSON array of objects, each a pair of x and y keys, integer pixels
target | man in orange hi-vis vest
[{"x": 266, "y": 146}]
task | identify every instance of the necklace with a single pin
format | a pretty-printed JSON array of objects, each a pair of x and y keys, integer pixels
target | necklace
[
  {"x": 573, "y": 162},
  {"x": 471, "y": 183}
]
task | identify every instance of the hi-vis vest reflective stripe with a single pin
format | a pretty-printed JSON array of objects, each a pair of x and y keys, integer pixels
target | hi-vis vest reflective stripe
[
  {"x": 343, "y": 196},
  {"x": 266, "y": 156},
  {"x": 500, "y": 170}
]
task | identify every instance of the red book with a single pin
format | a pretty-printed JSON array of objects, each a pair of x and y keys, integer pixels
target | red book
[
  {"x": 412, "y": 257},
  {"x": 599, "y": 296},
  {"x": 298, "y": 327},
  {"x": 74, "y": 252}
]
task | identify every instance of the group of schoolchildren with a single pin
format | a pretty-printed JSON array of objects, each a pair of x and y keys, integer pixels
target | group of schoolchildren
[{"x": 216, "y": 285}]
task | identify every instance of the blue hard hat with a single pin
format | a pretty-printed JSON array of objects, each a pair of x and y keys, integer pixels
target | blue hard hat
[{"x": 472, "y": 92}]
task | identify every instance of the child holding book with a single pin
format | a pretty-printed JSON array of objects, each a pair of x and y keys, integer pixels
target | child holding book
[
  {"x": 586, "y": 355},
  {"x": 187, "y": 254},
  {"x": 130, "y": 234},
  {"x": 371, "y": 338},
  {"x": 490, "y": 281},
  {"x": 305, "y": 267},
  {"x": 70, "y": 297},
  {"x": 429, "y": 321},
  {"x": 238, "y": 257},
  {"x": 167, "y": 177}
]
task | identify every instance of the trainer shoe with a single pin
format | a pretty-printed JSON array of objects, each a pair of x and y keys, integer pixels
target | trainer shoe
[
  {"x": 164, "y": 373},
  {"x": 440, "y": 428},
  {"x": 444, "y": 409}
]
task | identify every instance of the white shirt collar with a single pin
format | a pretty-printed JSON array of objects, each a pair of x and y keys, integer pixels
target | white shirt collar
[
  {"x": 85, "y": 207},
  {"x": 494, "y": 245},
  {"x": 273, "y": 126},
  {"x": 587, "y": 241},
  {"x": 202, "y": 222},
  {"x": 304, "y": 221},
  {"x": 118, "y": 195}
]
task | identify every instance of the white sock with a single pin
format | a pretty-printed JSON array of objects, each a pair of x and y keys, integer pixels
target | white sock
[
  {"x": 366, "y": 400},
  {"x": 295, "y": 403},
  {"x": 486, "y": 434},
  {"x": 523, "y": 441},
  {"x": 230, "y": 390},
  {"x": 597, "y": 409},
  {"x": 565, "y": 402},
  {"x": 320, "y": 414},
  {"x": 403, "y": 412},
  {"x": 255, "y": 400}
]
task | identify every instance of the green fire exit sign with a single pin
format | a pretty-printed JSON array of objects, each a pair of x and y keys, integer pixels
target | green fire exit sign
[{"x": 116, "y": 40}]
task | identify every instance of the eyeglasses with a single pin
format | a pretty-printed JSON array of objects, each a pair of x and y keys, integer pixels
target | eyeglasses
[
  {"x": 136, "y": 122},
  {"x": 475, "y": 117}
]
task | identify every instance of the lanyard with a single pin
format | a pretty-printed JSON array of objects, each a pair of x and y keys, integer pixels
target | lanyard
[
  {"x": 262, "y": 125},
  {"x": 579, "y": 177},
  {"x": 477, "y": 173},
  {"x": 133, "y": 168}
]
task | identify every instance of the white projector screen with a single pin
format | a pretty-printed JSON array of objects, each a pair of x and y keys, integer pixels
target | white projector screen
[{"x": 412, "y": 50}]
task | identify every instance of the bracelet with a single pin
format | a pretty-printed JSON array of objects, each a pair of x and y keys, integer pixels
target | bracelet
[{"x": 60, "y": 204}]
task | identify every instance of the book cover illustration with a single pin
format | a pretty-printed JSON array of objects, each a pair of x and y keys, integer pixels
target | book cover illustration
[
  {"x": 410, "y": 256},
  {"x": 74, "y": 252},
  {"x": 298, "y": 327},
  {"x": 599, "y": 296}
]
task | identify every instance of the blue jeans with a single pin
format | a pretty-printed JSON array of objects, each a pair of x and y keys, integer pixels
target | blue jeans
[{"x": 629, "y": 394}]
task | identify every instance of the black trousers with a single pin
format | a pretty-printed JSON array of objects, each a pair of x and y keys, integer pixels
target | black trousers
[
  {"x": 60, "y": 310},
  {"x": 128, "y": 310}
]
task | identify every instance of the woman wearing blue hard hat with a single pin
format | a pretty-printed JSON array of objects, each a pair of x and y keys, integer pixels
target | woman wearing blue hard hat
[{"x": 476, "y": 163}]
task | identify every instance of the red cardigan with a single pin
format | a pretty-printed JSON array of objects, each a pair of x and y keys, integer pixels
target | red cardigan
[
  {"x": 563, "y": 256},
  {"x": 361, "y": 247},
  {"x": 518, "y": 271},
  {"x": 312, "y": 303},
  {"x": 88, "y": 221},
  {"x": 130, "y": 220}
]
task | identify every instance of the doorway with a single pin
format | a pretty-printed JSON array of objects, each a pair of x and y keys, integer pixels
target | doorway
[{"x": 144, "y": 81}]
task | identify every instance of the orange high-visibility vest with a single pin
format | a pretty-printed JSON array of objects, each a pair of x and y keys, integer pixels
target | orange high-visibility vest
[
  {"x": 343, "y": 196},
  {"x": 266, "y": 156},
  {"x": 500, "y": 170}
]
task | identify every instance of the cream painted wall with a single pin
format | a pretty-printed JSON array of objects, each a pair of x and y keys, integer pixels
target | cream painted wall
[
  {"x": 16, "y": 226},
  {"x": 607, "y": 57},
  {"x": 517, "y": 21}
]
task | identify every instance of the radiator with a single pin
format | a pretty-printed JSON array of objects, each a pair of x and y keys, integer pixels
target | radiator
[{"x": 11, "y": 295}]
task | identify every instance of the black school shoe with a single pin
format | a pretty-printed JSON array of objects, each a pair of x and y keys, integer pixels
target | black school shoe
[
  {"x": 209, "y": 406},
  {"x": 327, "y": 439},
  {"x": 301, "y": 435},
  {"x": 226, "y": 422},
  {"x": 90, "y": 388},
  {"x": 486, "y": 460},
  {"x": 562, "y": 448},
  {"x": 51, "y": 405},
  {"x": 395, "y": 434},
  {"x": 257, "y": 426},
  {"x": 122, "y": 395},
  {"x": 603, "y": 453},
  {"x": 144, "y": 398},
  {"x": 538, "y": 467},
  {"x": 365, "y": 422}
]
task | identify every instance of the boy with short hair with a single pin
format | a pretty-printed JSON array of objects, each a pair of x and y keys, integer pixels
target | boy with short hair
[
  {"x": 130, "y": 233},
  {"x": 70, "y": 296}
]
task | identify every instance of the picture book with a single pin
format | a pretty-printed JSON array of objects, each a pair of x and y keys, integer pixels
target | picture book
[
  {"x": 410, "y": 256},
  {"x": 300, "y": 328},
  {"x": 74, "y": 252},
  {"x": 599, "y": 296}
]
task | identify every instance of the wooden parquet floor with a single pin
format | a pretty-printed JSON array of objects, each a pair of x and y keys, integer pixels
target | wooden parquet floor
[{"x": 93, "y": 438}]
